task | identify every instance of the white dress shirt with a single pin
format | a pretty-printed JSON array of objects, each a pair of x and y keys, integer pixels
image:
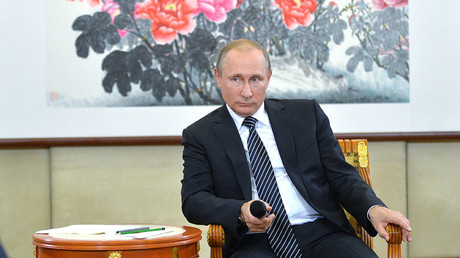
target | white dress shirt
[{"x": 297, "y": 209}]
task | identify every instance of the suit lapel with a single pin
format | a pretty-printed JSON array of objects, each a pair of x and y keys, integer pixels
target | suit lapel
[
  {"x": 228, "y": 135},
  {"x": 283, "y": 130}
]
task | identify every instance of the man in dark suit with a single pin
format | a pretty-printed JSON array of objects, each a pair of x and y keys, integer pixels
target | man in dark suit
[
  {"x": 2, "y": 252},
  {"x": 312, "y": 177}
]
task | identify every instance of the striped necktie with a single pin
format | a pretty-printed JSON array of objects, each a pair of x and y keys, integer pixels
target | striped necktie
[{"x": 280, "y": 234}]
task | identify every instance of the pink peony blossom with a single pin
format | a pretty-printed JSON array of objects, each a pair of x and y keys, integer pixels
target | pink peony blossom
[
  {"x": 297, "y": 12},
  {"x": 382, "y": 4},
  {"x": 92, "y": 3},
  {"x": 168, "y": 18},
  {"x": 215, "y": 10}
]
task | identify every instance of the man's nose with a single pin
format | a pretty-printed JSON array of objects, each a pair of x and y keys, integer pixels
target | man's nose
[{"x": 246, "y": 91}]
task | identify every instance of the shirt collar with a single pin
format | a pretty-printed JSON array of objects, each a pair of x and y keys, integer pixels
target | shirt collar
[{"x": 260, "y": 115}]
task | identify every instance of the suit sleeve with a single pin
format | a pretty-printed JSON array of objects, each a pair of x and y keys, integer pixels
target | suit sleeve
[
  {"x": 200, "y": 204},
  {"x": 351, "y": 191}
]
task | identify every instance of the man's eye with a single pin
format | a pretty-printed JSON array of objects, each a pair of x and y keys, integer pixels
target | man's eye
[
  {"x": 235, "y": 79},
  {"x": 255, "y": 79}
]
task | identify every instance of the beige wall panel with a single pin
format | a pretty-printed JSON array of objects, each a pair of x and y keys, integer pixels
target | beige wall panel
[
  {"x": 434, "y": 197},
  {"x": 24, "y": 198},
  {"x": 110, "y": 185},
  {"x": 387, "y": 162},
  {"x": 142, "y": 184}
]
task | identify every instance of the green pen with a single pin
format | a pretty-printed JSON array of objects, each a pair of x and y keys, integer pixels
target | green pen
[{"x": 141, "y": 231}]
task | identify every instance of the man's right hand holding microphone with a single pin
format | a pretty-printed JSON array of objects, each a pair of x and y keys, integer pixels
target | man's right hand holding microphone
[{"x": 256, "y": 215}]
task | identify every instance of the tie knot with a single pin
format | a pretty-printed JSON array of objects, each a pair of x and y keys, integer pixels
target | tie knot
[{"x": 250, "y": 122}]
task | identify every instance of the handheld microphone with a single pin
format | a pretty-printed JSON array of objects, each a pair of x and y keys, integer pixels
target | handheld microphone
[{"x": 258, "y": 209}]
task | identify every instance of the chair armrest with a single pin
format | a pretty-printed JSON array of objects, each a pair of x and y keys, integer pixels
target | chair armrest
[
  {"x": 394, "y": 243},
  {"x": 216, "y": 240}
]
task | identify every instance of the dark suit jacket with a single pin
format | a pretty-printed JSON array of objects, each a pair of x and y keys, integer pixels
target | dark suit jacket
[
  {"x": 2, "y": 252},
  {"x": 216, "y": 179}
]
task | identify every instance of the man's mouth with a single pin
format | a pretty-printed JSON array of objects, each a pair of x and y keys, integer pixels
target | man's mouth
[{"x": 244, "y": 103}]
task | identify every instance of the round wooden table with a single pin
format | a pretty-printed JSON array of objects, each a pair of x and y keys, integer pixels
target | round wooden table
[{"x": 181, "y": 245}]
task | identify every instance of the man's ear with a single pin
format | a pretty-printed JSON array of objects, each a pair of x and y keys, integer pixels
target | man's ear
[
  {"x": 269, "y": 77},
  {"x": 218, "y": 78}
]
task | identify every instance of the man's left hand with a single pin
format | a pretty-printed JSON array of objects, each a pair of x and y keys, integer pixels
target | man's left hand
[{"x": 381, "y": 216}]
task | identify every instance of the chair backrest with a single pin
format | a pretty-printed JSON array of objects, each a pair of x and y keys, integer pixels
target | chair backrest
[{"x": 356, "y": 153}]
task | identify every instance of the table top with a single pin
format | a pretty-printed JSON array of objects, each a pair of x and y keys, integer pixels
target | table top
[{"x": 51, "y": 240}]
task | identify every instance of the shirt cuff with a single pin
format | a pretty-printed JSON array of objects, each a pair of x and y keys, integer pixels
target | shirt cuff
[{"x": 370, "y": 210}]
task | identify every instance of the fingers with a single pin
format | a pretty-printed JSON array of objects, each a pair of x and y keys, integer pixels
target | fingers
[
  {"x": 381, "y": 230},
  {"x": 269, "y": 208},
  {"x": 407, "y": 236},
  {"x": 256, "y": 224},
  {"x": 259, "y": 225},
  {"x": 404, "y": 223}
]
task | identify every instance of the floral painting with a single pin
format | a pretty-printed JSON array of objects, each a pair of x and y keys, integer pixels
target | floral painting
[{"x": 162, "y": 52}]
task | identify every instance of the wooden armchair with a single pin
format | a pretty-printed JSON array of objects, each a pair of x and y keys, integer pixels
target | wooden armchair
[{"x": 356, "y": 153}]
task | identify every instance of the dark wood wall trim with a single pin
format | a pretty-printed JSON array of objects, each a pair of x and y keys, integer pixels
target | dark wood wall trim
[
  {"x": 90, "y": 141},
  {"x": 175, "y": 140},
  {"x": 404, "y": 136}
]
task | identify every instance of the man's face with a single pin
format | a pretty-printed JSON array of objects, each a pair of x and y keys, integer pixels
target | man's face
[{"x": 243, "y": 80}]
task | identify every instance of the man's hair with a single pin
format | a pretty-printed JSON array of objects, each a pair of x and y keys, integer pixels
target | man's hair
[{"x": 243, "y": 44}]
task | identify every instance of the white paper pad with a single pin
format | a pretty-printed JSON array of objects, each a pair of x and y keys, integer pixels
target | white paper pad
[{"x": 108, "y": 232}]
